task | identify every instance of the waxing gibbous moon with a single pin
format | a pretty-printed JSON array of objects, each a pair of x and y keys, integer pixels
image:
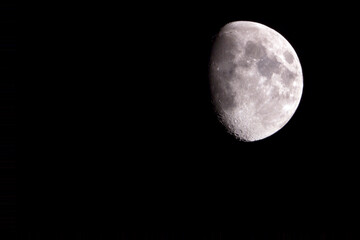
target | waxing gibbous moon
[{"x": 255, "y": 78}]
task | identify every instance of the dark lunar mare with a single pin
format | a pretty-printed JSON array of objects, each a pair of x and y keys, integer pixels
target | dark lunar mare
[
  {"x": 289, "y": 57},
  {"x": 254, "y": 50},
  {"x": 267, "y": 66},
  {"x": 288, "y": 77}
]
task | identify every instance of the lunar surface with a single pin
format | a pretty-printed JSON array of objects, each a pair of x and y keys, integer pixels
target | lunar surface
[{"x": 256, "y": 80}]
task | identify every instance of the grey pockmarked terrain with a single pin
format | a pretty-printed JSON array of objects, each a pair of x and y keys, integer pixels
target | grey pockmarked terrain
[{"x": 256, "y": 80}]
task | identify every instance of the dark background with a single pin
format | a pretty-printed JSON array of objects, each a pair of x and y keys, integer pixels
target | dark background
[
  {"x": 252, "y": 235},
  {"x": 7, "y": 116},
  {"x": 121, "y": 129}
]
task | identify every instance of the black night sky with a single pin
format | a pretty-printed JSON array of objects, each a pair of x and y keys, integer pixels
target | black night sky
[
  {"x": 246, "y": 235},
  {"x": 122, "y": 130},
  {"x": 7, "y": 117}
]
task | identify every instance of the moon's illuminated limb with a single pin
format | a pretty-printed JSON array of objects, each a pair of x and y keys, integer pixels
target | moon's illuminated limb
[{"x": 256, "y": 80}]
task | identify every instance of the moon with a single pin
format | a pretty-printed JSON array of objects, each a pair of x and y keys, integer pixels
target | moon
[{"x": 256, "y": 80}]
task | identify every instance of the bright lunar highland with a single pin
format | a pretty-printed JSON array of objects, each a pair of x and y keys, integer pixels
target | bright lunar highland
[{"x": 256, "y": 80}]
